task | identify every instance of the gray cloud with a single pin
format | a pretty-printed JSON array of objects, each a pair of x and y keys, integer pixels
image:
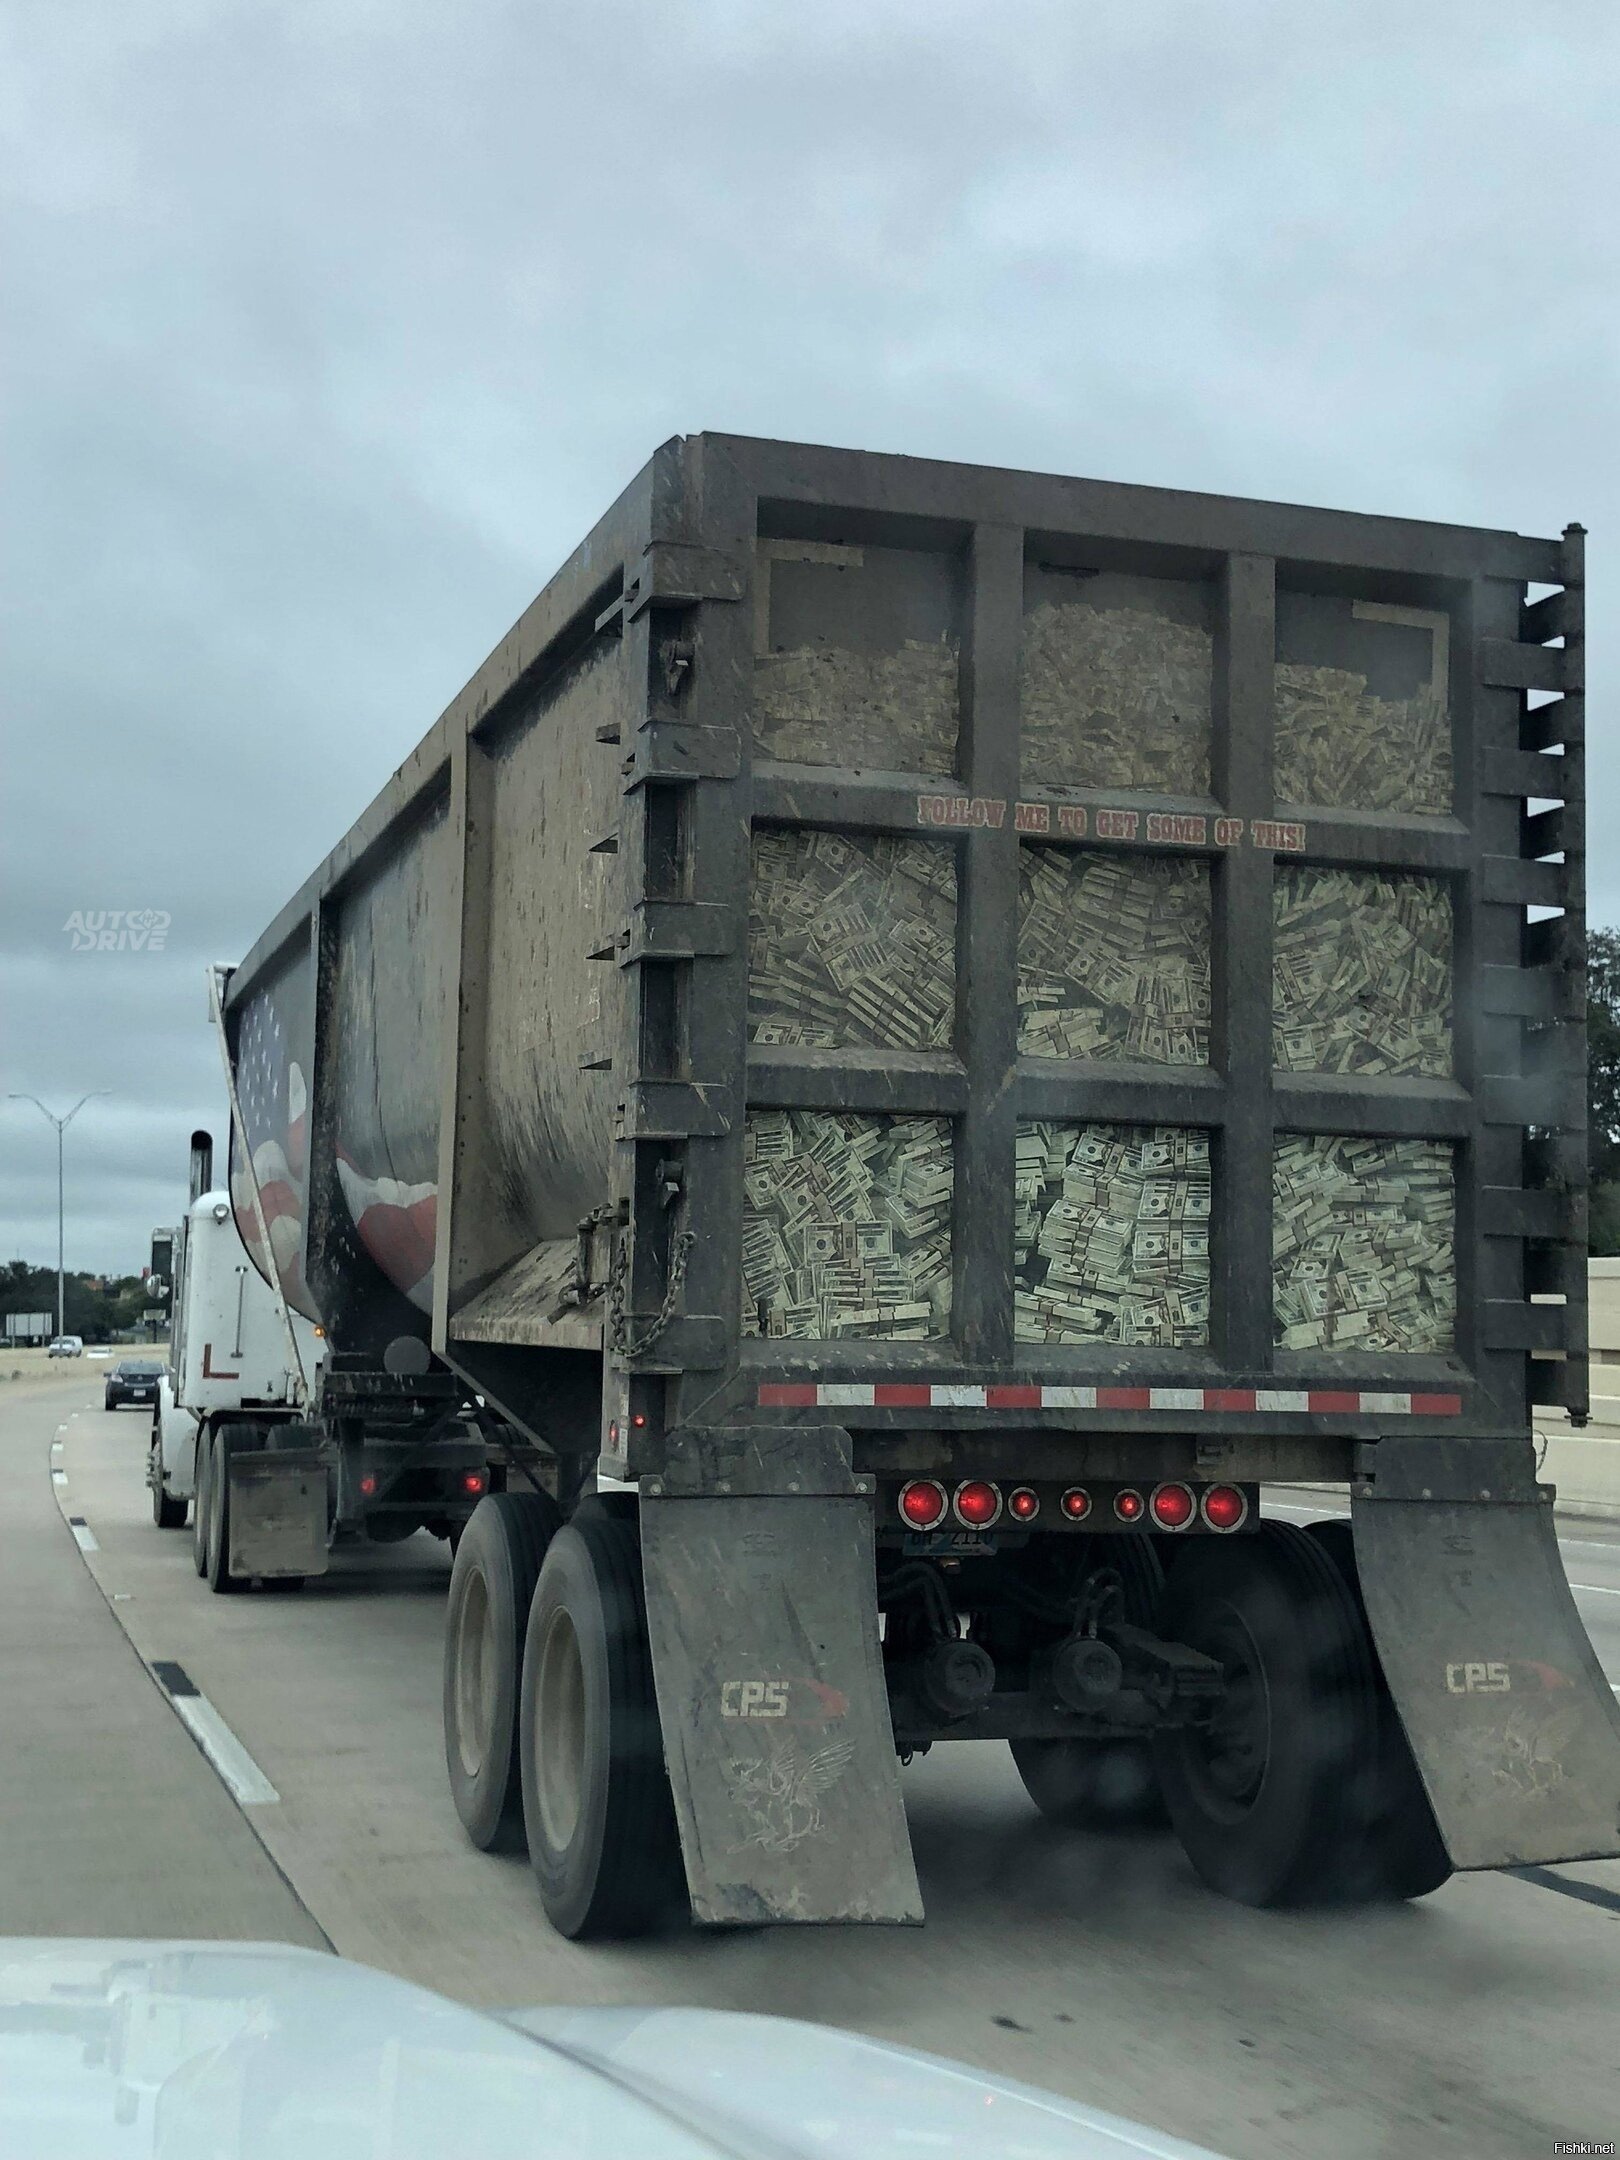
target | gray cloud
[{"x": 332, "y": 326}]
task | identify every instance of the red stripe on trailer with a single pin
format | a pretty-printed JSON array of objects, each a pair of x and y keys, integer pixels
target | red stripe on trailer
[
  {"x": 1229, "y": 1398},
  {"x": 1124, "y": 1398},
  {"x": 788, "y": 1395},
  {"x": 902, "y": 1395},
  {"x": 1031, "y": 1395},
  {"x": 1322, "y": 1402},
  {"x": 1437, "y": 1406},
  {"x": 1013, "y": 1398}
]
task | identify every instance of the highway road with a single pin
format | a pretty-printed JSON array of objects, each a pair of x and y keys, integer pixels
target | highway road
[{"x": 1478, "y": 2022}]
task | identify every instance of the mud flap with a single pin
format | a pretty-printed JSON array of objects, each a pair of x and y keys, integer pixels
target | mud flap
[
  {"x": 762, "y": 1615},
  {"x": 278, "y": 1514},
  {"x": 1515, "y": 1729}
]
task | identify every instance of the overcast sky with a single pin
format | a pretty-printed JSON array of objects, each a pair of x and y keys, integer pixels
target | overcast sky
[{"x": 332, "y": 327}]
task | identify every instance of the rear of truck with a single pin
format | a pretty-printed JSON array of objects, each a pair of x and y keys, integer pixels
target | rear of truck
[{"x": 957, "y": 1022}]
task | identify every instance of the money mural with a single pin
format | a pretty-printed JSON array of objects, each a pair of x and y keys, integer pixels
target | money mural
[
  {"x": 851, "y": 940},
  {"x": 846, "y": 1225},
  {"x": 1113, "y": 957},
  {"x": 1363, "y": 1254},
  {"x": 1343, "y": 747},
  {"x": 1361, "y": 972},
  {"x": 1111, "y": 1234},
  {"x": 1116, "y": 697},
  {"x": 891, "y": 711}
]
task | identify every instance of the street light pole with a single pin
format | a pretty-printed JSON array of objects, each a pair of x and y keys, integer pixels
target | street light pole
[{"x": 61, "y": 1124}]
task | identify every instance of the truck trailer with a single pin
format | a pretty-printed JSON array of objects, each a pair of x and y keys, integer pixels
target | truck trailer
[{"x": 914, "y": 1035}]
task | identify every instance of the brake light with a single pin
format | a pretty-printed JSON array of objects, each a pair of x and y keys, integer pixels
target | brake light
[
  {"x": 978, "y": 1503},
  {"x": 1173, "y": 1506},
  {"x": 1128, "y": 1504},
  {"x": 922, "y": 1503},
  {"x": 473, "y": 1482},
  {"x": 1023, "y": 1504},
  {"x": 1076, "y": 1503},
  {"x": 1225, "y": 1508},
  {"x": 368, "y": 1485}
]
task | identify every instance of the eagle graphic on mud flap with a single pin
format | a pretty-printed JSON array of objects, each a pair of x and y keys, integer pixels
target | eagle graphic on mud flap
[
  {"x": 1525, "y": 1753},
  {"x": 779, "y": 1795}
]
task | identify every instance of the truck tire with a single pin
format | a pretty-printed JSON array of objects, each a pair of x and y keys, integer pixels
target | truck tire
[
  {"x": 1102, "y": 1784},
  {"x": 229, "y": 1440},
  {"x": 596, "y": 1797},
  {"x": 1261, "y": 1793},
  {"x": 167, "y": 1512},
  {"x": 1406, "y": 1855},
  {"x": 492, "y": 1583},
  {"x": 201, "y": 1479}
]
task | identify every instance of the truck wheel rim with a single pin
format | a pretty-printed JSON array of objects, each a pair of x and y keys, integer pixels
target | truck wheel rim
[
  {"x": 476, "y": 1665},
  {"x": 1228, "y": 1754},
  {"x": 560, "y": 1753}
]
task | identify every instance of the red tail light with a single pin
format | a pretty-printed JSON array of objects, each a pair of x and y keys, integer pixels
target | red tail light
[
  {"x": 1173, "y": 1506},
  {"x": 1128, "y": 1504},
  {"x": 1225, "y": 1508},
  {"x": 923, "y": 1503},
  {"x": 1023, "y": 1504},
  {"x": 978, "y": 1503},
  {"x": 473, "y": 1482},
  {"x": 368, "y": 1485},
  {"x": 1076, "y": 1503}
]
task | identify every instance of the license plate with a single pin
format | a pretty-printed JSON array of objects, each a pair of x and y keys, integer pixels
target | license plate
[{"x": 951, "y": 1544}]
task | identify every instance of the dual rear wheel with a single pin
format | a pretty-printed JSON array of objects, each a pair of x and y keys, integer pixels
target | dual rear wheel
[{"x": 551, "y": 1726}]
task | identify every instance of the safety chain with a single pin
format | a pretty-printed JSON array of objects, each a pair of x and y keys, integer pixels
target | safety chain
[{"x": 619, "y": 1341}]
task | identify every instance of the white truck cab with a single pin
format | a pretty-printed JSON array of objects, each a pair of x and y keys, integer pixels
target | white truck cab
[{"x": 229, "y": 1352}]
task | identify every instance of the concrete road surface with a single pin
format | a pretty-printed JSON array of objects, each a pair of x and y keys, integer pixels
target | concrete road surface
[{"x": 1478, "y": 2022}]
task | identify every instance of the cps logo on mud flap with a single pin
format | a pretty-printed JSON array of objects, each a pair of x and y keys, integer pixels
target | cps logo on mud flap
[
  {"x": 754, "y": 1698},
  {"x": 1477, "y": 1677}
]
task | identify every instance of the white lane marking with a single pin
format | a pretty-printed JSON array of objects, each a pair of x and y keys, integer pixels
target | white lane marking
[
  {"x": 58, "y": 1477},
  {"x": 1595, "y": 1589},
  {"x": 56, "y": 1447},
  {"x": 84, "y": 1537},
  {"x": 227, "y": 1754}
]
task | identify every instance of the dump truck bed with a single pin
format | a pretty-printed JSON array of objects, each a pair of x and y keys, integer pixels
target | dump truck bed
[{"x": 921, "y": 947}]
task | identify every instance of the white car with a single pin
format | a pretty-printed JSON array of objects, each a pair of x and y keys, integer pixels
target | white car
[
  {"x": 256, "y": 2050},
  {"x": 65, "y": 1346}
]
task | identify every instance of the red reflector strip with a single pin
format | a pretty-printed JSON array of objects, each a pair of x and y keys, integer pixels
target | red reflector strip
[{"x": 1020, "y": 1395}]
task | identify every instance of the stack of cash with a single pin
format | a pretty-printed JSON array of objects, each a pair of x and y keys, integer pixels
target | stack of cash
[
  {"x": 1342, "y": 747},
  {"x": 1115, "y": 698},
  {"x": 1361, "y": 972},
  {"x": 1363, "y": 1251},
  {"x": 851, "y": 939},
  {"x": 825, "y": 705},
  {"x": 1111, "y": 1234},
  {"x": 846, "y": 1225},
  {"x": 1113, "y": 956}
]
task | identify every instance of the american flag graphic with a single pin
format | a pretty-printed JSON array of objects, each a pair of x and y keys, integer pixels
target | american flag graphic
[
  {"x": 396, "y": 1224},
  {"x": 274, "y": 1100}
]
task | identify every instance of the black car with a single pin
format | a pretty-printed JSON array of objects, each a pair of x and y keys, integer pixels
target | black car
[{"x": 133, "y": 1380}]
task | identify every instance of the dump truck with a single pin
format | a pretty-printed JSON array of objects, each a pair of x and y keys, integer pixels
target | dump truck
[{"x": 915, "y": 1035}]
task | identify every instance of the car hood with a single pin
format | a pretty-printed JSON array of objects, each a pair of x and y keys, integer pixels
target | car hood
[{"x": 263, "y": 2052}]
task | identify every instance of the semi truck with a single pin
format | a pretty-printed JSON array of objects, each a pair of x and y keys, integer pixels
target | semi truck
[
  {"x": 246, "y": 1377},
  {"x": 915, "y": 1035}
]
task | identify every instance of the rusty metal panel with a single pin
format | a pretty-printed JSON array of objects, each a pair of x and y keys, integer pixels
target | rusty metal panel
[
  {"x": 556, "y": 1016},
  {"x": 851, "y": 940},
  {"x": 1111, "y": 1234},
  {"x": 1361, "y": 971},
  {"x": 1113, "y": 956},
  {"x": 1363, "y": 1253},
  {"x": 846, "y": 1225},
  {"x": 762, "y": 1615},
  {"x": 1117, "y": 682}
]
